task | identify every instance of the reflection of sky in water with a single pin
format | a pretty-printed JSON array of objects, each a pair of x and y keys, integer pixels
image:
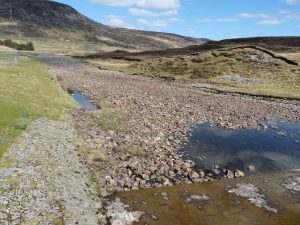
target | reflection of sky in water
[
  {"x": 84, "y": 102},
  {"x": 236, "y": 149}
]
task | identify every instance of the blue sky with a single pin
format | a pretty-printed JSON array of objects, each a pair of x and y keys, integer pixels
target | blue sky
[{"x": 214, "y": 19}]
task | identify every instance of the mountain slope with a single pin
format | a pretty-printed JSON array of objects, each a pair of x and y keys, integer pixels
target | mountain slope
[
  {"x": 276, "y": 44},
  {"x": 49, "y": 19}
]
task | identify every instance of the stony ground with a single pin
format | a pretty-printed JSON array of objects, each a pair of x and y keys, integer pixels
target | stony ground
[
  {"x": 161, "y": 115},
  {"x": 50, "y": 177},
  {"x": 45, "y": 183}
]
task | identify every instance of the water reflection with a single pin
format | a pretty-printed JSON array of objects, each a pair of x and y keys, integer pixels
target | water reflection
[
  {"x": 85, "y": 103},
  {"x": 274, "y": 152},
  {"x": 275, "y": 149}
]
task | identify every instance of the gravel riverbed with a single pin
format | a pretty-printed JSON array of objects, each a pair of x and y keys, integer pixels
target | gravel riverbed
[{"x": 161, "y": 117}]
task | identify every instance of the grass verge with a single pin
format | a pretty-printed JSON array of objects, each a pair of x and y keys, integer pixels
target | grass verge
[{"x": 28, "y": 92}]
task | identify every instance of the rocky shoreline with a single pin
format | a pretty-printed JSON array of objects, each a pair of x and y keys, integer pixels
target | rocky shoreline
[{"x": 161, "y": 117}]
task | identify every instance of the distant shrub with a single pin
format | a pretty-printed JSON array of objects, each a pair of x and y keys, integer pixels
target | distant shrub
[
  {"x": 30, "y": 46},
  {"x": 22, "y": 47}
]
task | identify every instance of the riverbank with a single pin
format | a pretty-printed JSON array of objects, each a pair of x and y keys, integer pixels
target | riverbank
[
  {"x": 27, "y": 93},
  {"x": 142, "y": 149},
  {"x": 129, "y": 137}
]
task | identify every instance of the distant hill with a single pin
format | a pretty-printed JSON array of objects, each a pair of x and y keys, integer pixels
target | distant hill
[
  {"x": 265, "y": 66},
  {"x": 275, "y": 44},
  {"x": 56, "y": 21}
]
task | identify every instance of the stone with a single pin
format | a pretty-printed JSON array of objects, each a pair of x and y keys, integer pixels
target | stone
[
  {"x": 119, "y": 215},
  {"x": 216, "y": 171},
  {"x": 200, "y": 197},
  {"x": 143, "y": 183},
  {"x": 201, "y": 174},
  {"x": 292, "y": 183},
  {"x": 145, "y": 177},
  {"x": 90, "y": 162},
  {"x": 239, "y": 173},
  {"x": 154, "y": 217},
  {"x": 229, "y": 174},
  {"x": 166, "y": 182},
  {"x": 252, "y": 194},
  {"x": 194, "y": 175},
  {"x": 177, "y": 168},
  {"x": 147, "y": 172},
  {"x": 164, "y": 194},
  {"x": 117, "y": 149},
  {"x": 251, "y": 168}
]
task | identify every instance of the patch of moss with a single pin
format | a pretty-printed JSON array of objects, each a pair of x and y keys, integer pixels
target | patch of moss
[
  {"x": 12, "y": 182},
  {"x": 111, "y": 118},
  {"x": 134, "y": 150}
]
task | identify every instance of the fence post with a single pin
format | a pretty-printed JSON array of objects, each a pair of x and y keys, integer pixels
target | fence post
[{"x": 17, "y": 57}]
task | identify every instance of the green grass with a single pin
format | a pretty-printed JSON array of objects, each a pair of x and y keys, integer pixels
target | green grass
[
  {"x": 28, "y": 92},
  {"x": 111, "y": 118}
]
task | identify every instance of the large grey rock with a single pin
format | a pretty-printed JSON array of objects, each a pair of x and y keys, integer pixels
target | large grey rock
[
  {"x": 292, "y": 183},
  {"x": 118, "y": 214},
  {"x": 253, "y": 195}
]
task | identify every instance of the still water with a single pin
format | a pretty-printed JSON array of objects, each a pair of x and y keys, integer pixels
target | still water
[
  {"x": 275, "y": 153},
  {"x": 85, "y": 103},
  {"x": 275, "y": 149}
]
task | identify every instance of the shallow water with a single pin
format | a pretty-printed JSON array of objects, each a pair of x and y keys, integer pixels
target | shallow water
[
  {"x": 275, "y": 153},
  {"x": 85, "y": 103},
  {"x": 275, "y": 149},
  {"x": 223, "y": 208}
]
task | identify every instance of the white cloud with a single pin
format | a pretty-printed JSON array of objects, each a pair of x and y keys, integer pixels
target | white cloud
[
  {"x": 271, "y": 22},
  {"x": 291, "y": 2},
  {"x": 155, "y": 4},
  {"x": 159, "y": 23},
  {"x": 144, "y": 12},
  {"x": 254, "y": 15},
  {"x": 219, "y": 20},
  {"x": 116, "y": 21},
  {"x": 284, "y": 12},
  {"x": 289, "y": 15}
]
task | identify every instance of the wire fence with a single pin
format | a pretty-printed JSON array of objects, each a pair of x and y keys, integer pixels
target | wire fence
[
  {"x": 9, "y": 58},
  {"x": 14, "y": 57}
]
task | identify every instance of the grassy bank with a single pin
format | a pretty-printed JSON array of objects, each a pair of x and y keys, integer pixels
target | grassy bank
[
  {"x": 259, "y": 73},
  {"x": 28, "y": 92}
]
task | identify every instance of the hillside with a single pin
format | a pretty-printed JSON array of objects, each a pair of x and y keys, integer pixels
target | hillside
[
  {"x": 277, "y": 44},
  {"x": 246, "y": 65},
  {"x": 54, "y": 21}
]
